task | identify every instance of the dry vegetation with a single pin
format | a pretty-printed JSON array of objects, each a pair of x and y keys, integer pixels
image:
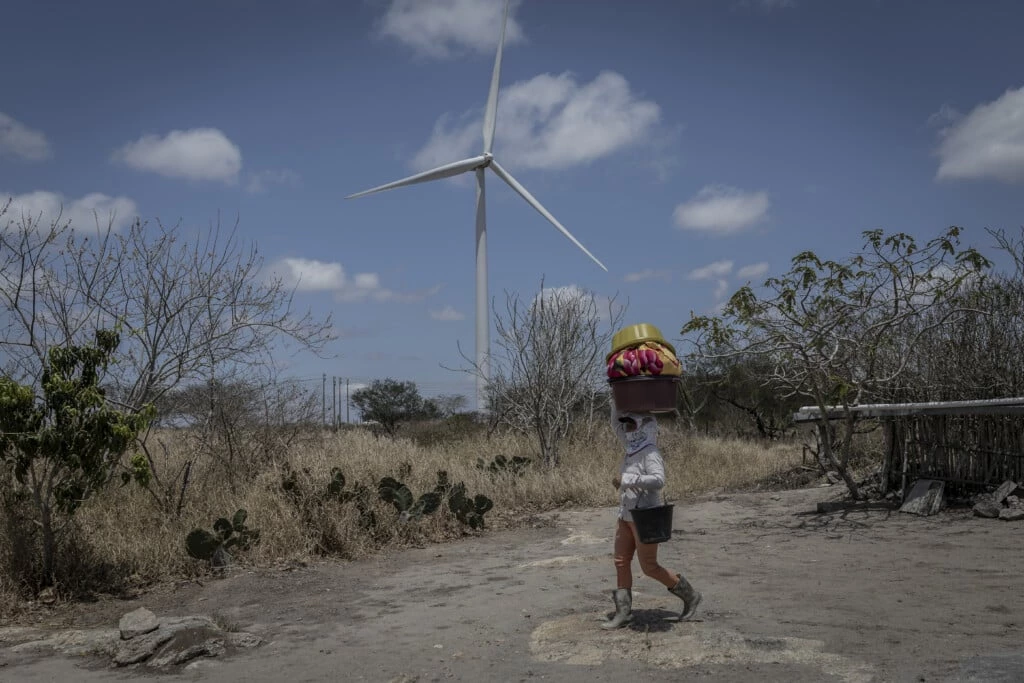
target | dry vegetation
[{"x": 122, "y": 540}]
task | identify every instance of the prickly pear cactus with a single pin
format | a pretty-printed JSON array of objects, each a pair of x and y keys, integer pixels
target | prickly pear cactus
[
  {"x": 201, "y": 544},
  {"x": 227, "y": 533},
  {"x": 444, "y": 485},
  {"x": 395, "y": 492},
  {"x": 401, "y": 496},
  {"x": 469, "y": 511},
  {"x": 427, "y": 504},
  {"x": 482, "y": 504}
]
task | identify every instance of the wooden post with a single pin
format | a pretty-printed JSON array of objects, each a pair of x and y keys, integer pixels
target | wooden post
[
  {"x": 906, "y": 464},
  {"x": 889, "y": 442}
]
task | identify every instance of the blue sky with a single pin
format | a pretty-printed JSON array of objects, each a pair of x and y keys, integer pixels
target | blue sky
[{"x": 691, "y": 145}]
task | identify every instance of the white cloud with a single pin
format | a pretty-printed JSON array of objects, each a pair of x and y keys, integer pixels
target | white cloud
[
  {"x": 711, "y": 271},
  {"x": 83, "y": 213},
  {"x": 443, "y": 28},
  {"x": 447, "y": 314},
  {"x": 367, "y": 281},
  {"x": 986, "y": 143},
  {"x": 17, "y": 139},
  {"x": 311, "y": 275},
  {"x": 259, "y": 182},
  {"x": 549, "y": 122},
  {"x": 754, "y": 270},
  {"x": 722, "y": 210},
  {"x": 647, "y": 274},
  {"x": 721, "y": 289},
  {"x": 196, "y": 154}
]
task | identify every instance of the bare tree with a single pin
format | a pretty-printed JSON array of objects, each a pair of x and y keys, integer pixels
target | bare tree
[
  {"x": 977, "y": 355},
  {"x": 37, "y": 311},
  {"x": 189, "y": 308},
  {"x": 843, "y": 332},
  {"x": 549, "y": 367},
  {"x": 236, "y": 428}
]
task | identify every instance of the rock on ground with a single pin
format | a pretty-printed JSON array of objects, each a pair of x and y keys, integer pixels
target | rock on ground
[
  {"x": 1011, "y": 514},
  {"x": 178, "y": 640},
  {"x": 138, "y": 622},
  {"x": 141, "y": 637},
  {"x": 986, "y": 507}
]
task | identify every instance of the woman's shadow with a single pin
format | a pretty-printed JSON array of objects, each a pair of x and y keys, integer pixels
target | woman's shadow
[{"x": 651, "y": 620}]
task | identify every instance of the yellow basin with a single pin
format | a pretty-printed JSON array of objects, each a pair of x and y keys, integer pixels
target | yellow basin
[{"x": 638, "y": 334}]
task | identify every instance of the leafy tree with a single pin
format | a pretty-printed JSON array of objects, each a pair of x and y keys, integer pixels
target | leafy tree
[
  {"x": 391, "y": 402},
  {"x": 68, "y": 444},
  {"x": 843, "y": 332},
  {"x": 731, "y": 395}
]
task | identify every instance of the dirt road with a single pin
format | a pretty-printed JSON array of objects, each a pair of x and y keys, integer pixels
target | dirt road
[{"x": 790, "y": 595}]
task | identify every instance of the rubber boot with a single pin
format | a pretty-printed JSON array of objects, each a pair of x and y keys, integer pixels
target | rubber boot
[
  {"x": 690, "y": 597},
  {"x": 623, "y": 598}
]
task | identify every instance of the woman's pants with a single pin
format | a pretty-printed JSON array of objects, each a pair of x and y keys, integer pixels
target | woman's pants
[{"x": 626, "y": 543}]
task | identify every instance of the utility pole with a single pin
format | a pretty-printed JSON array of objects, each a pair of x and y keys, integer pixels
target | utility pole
[
  {"x": 347, "y": 405},
  {"x": 334, "y": 402},
  {"x": 324, "y": 399}
]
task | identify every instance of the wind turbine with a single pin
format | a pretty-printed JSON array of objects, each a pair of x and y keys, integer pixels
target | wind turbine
[{"x": 479, "y": 164}]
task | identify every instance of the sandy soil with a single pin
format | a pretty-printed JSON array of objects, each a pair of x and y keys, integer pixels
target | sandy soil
[{"x": 790, "y": 595}]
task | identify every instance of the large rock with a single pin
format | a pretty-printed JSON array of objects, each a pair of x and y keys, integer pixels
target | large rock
[
  {"x": 1007, "y": 488},
  {"x": 986, "y": 507},
  {"x": 136, "y": 623},
  {"x": 142, "y": 647},
  {"x": 1011, "y": 514},
  {"x": 188, "y": 644},
  {"x": 174, "y": 641}
]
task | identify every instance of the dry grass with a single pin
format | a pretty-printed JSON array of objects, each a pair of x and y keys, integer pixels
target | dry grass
[{"x": 123, "y": 538}]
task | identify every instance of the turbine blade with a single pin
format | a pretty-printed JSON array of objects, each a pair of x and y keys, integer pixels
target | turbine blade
[
  {"x": 525, "y": 194},
  {"x": 446, "y": 171},
  {"x": 491, "y": 113}
]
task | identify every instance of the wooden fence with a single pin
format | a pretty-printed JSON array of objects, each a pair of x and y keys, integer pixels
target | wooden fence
[{"x": 967, "y": 444}]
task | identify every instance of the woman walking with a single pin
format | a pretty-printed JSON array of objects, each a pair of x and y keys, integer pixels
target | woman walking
[{"x": 640, "y": 482}]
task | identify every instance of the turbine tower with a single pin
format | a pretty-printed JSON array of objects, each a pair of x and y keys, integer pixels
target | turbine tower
[{"x": 478, "y": 165}]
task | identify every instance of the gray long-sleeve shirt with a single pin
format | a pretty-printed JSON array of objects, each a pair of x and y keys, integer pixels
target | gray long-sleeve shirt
[{"x": 642, "y": 475}]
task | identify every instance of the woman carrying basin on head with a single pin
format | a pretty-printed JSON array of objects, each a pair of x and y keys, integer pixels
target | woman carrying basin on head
[{"x": 640, "y": 482}]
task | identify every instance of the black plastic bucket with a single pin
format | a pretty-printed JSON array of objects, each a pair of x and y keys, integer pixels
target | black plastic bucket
[{"x": 653, "y": 525}]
